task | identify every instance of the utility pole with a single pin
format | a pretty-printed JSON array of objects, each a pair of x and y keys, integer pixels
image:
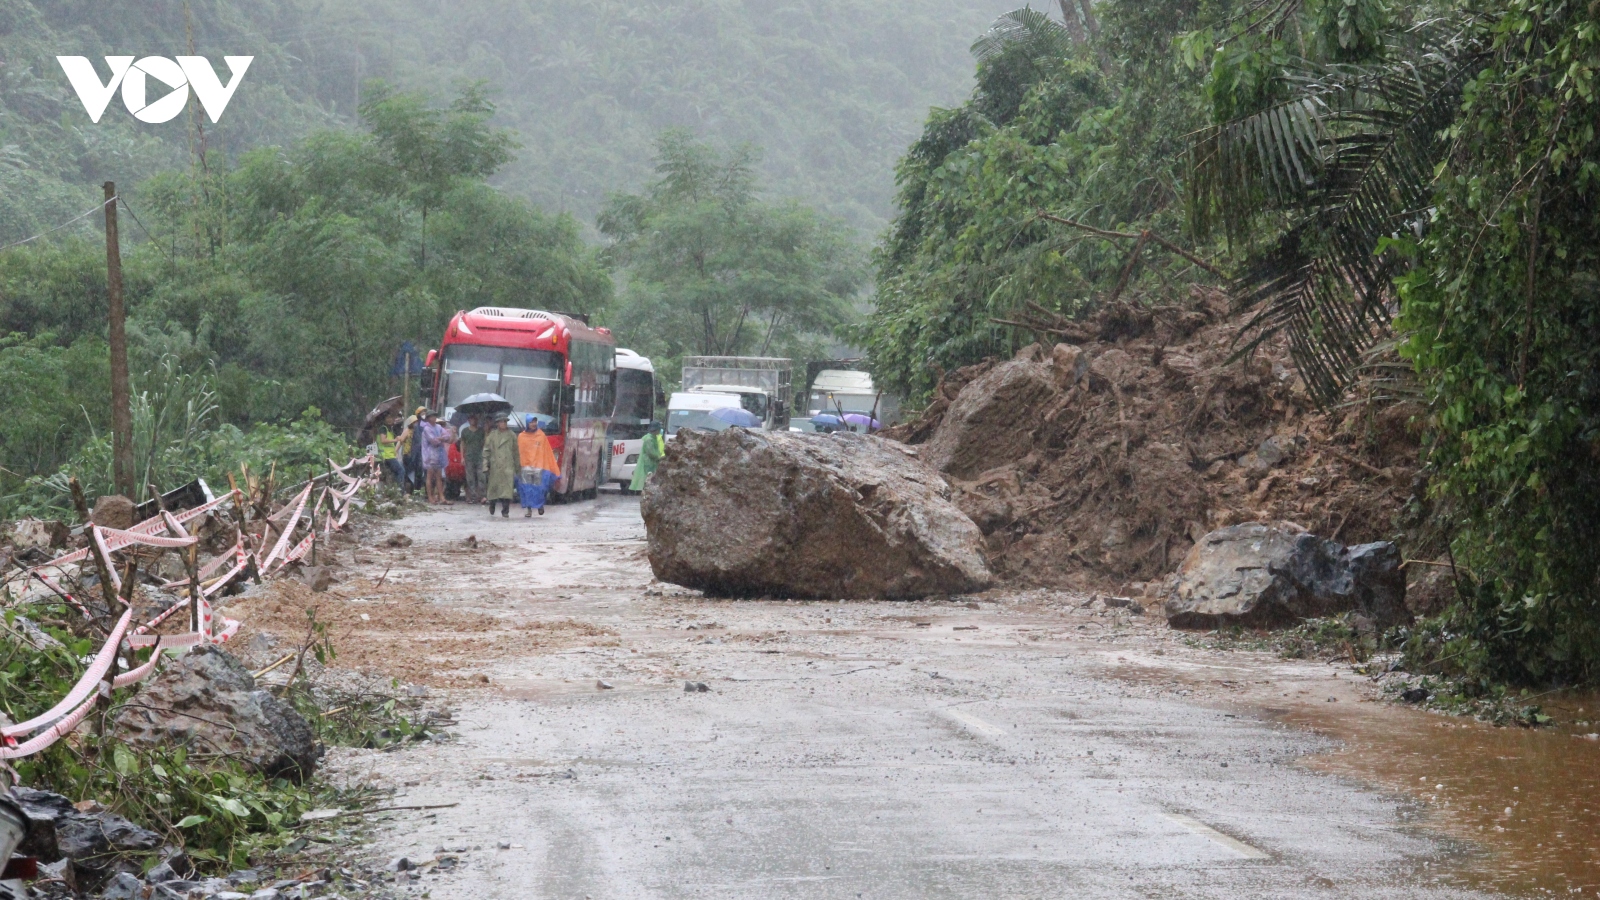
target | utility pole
[{"x": 121, "y": 414}]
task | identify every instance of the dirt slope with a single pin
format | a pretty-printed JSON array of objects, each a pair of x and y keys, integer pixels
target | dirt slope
[{"x": 1099, "y": 461}]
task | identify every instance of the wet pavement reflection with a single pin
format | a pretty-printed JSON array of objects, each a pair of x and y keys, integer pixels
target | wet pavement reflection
[{"x": 1530, "y": 798}]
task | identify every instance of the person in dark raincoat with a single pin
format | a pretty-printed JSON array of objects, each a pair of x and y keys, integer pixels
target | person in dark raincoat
[
  {"x": 500, "y": 466},
  {"x": 471, "y": 443}
]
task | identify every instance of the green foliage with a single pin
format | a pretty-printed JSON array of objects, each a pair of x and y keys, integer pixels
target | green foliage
[
  {"x": 1047, "y": 129},
  {"x": 281, "y": 284},
  {"x": 56, "y": 397},
  {"x": 222, "y": 814},
  {"x": 1502, "y": 313},
  {"x": 1314, "y": 162},
  {"x": 712, "y": 270}
]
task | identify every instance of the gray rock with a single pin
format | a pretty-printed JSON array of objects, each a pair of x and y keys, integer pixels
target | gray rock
[
  {"x": 208, "y": 700},
  {"x": 742, "y": 513},
  {"x": 979, "y": 431},
  {"x": 695, "y": 687},
  {"x": 400, "y": 864},
  {"x": 43, "y": 534},
  {"x": 244, "y": 876},
  {"x": 173, "y": 868},
  {"x": 318, "y": 578},
  {"x": 123, "y": 886},
  {"x": 1260, "y": 575},
  {"x": 96, "y": 843},
  {"x": 267, "y": 894}
]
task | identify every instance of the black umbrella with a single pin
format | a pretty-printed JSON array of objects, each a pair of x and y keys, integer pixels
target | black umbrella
[
  {"x": 484, "y": 404},
  {"x": 379, "y": 413}
]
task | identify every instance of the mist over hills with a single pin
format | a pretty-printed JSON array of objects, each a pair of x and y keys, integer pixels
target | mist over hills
[{"x": 832, "y": 90}]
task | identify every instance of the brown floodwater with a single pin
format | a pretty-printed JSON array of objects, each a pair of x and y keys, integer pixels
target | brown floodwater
[{"x": 1530, "y": 798}]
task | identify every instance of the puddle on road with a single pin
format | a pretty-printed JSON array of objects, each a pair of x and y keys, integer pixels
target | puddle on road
[
  {"x": 1530, "y": 797},
  {"x": 1464, "y": 774}
]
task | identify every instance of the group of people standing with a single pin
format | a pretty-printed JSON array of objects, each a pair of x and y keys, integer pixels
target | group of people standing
[{"x": 481, "y": 461}]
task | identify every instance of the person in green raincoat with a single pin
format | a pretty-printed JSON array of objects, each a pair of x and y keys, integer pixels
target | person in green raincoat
[
  {"x": 651, "y": 450},
  {"x": 500, "y": 466}
]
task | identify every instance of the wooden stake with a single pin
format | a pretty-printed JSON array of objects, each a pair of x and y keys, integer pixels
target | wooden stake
[
  {"x": 102, "y": 565},
  {"x": 117, "y": 338}
]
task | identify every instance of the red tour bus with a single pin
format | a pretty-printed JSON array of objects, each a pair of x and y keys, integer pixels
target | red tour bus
[{"x": 549, "y": 364}]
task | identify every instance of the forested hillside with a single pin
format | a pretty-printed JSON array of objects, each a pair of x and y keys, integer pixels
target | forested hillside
[
  {"x": 831, "y": 89},
  {"x": 1383, "y": 187}
]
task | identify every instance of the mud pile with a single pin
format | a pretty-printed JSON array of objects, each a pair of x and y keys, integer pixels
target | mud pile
[{"x": 1098, "y": 462}]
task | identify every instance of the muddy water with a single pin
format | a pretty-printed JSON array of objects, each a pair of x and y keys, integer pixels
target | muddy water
[{"x": 1529, "y": 798}]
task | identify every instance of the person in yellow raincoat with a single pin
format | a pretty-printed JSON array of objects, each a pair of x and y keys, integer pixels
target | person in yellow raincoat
[{"x": 540, "y": 469}]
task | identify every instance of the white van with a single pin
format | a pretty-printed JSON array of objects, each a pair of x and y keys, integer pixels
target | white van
[{"x": 692, "y": 409}]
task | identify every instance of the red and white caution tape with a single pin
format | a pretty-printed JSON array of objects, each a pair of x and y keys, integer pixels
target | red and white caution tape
[
  {"x": 54, "y": 733},
  {"x": 85, "y": 686}
]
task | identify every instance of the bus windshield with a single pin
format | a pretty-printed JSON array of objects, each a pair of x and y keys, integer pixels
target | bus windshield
[
  {"x": 636, "y": 397},
  {"x": 529, "y": 379}
]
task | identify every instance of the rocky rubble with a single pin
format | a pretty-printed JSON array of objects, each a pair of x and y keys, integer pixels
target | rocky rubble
[
  {"x": 1098, "y": 462},
  {"x": 95, "y": 844},
  {"x": 817, "y": 516},
  {"x": 1261, "y": 575},
  {"x": 208, "y": 700}
]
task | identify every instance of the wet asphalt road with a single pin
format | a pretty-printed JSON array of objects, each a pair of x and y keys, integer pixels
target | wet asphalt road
[{"x": 849, "y": 750}]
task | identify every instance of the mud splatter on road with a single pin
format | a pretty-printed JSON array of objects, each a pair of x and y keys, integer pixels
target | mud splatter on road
[{"x": 1017, "y": 744}]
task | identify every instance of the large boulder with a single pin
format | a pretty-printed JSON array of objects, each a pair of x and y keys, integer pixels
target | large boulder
[
  {"x": 208, "y": 700},
  {"x": 986, "y": 425},
  {"x": 1263, "y": 576},
  {"x": 742, "y": 513},
  {"x": 98, "y": 843},
  {"x": 113, "y": 511}
]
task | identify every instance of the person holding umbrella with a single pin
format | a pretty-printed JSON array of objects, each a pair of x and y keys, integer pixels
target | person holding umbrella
[
  {"x": 540, "y": 469},
  {"x": 500, "y": 466}
]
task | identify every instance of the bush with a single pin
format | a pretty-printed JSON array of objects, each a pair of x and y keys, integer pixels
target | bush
[{"x": 1503, "y": 315}]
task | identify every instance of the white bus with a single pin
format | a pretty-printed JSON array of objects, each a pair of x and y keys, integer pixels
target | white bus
[{"x": 635, "y": 410}]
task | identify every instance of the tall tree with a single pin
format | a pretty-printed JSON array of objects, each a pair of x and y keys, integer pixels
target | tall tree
[{"x": 710, "y": 269}]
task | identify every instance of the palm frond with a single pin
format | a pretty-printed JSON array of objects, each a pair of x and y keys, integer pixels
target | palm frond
[
  {"x": 1041, "y": 35},
  {"x": 1347, "y": 161}
]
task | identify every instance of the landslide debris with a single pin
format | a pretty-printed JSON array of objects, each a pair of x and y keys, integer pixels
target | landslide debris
[
  {"x": 1260, "y": 575},
  {"x": 1100, "y": 461},
  {"x": 208, "y": 700},
  {"x": 742, "y": 513}
]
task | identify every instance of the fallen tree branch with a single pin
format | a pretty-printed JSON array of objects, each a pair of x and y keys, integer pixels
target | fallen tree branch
[{"x": 1145, "y": 235}]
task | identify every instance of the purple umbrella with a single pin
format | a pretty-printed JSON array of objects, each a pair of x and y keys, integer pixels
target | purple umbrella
[
  {"x": 864, "y": 421},
  {"x": 736, "y": 416}
]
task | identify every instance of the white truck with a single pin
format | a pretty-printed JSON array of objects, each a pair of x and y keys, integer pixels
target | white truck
[
  {"x": 759, "y": 385},
  {"x": 632, "y": 416},
  {"x": 843, "y": 391}
]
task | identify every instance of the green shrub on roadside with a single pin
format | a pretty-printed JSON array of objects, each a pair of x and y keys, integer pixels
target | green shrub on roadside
[{"x": 223, "y": 815}]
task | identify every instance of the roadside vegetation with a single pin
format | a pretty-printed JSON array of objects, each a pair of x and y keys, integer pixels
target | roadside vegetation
[
  {"x": 224, "y": 815},
  {"x": 1379, "y": 182}
]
